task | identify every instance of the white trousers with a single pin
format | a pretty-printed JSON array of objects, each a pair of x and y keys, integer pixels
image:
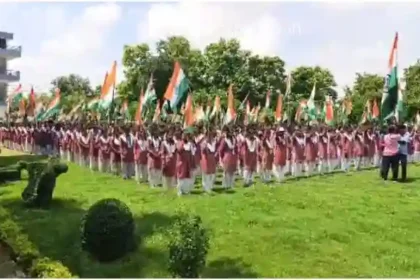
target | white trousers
[
  {"x": 416, "y": 156},
  {"x": 93, "y": 164},
  {"x": 103, "y": 165},
  {"x": 208, "y": 181},
  {"x": 333, "y": 163},
  {"x": 168, "y": 182},
  {"x": 127, "y": 169},
  {"x": 248, "y": 177},
  {"x": 309, "y": 168},
  {"x": 184, "y": 186},
  {"x": 297, "y": 169},
  {"x": 279, "y": 172},
  {"x": 141, "y": 172},
  {"x": 228, "y": 180},
  {"x": 155, "y": 177}
]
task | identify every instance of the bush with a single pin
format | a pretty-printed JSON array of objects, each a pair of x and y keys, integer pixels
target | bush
[
  {"x": 9, "y": 174},
  {"x": 188, "y": 248},
  {"x": 24, "y": 252},
  {"x": 107, "y": 230},
  {"x": 41, "y": 182},
  {"x": 46, "y": 268}
]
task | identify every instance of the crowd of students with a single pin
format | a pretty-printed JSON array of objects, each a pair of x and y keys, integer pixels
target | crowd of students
[{"x": 170, "y": 156}]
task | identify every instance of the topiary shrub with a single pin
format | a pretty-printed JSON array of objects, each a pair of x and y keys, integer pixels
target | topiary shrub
[
  {"x": 188, "y": 248},
  {"x": 46, "y": 268},
  {"x": 9, "y": 174},
  {"x": 41, "y": 182},
  {"x": 107, "y": 230}
]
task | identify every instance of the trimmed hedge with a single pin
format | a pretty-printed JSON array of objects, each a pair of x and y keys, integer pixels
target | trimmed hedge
[
  {"x": 10, "y": 173},
  {"x": 25, "y": 254},
  {"x": 41, "y": 182}
]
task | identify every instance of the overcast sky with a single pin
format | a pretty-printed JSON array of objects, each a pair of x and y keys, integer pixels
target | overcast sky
[{"x": 84, "y": 38}]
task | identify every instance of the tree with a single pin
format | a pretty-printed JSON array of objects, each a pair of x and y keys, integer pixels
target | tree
[
  {"x": 412, "y": 89},
  {"x": 366, "y": 87},
  {"x": 304, "y": 78},
  {"x": 72, "y": 84},
  {"x": 210, "y": 72}
]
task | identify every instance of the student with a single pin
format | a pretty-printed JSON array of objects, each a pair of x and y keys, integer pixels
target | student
[
  {"x": 390, "y": 153},
  {"x": 404, "y": 142}
]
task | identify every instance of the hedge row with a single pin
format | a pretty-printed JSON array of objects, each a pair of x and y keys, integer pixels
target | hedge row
[{"x": 25, "y": 254}]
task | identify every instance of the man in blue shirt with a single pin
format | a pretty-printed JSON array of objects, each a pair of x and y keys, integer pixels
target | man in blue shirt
[{"x": 403, "y": 151}]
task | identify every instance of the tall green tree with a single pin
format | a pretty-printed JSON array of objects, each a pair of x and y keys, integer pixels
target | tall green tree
[
  {"x": 411, "y": 92},
  {"x": 366, "y": 87}
]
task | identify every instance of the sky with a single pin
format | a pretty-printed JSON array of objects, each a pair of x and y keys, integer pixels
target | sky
[{"x": 85, "y": 38}]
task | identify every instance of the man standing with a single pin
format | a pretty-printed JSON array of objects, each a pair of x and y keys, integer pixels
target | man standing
[{"x": 403, "y": 151}]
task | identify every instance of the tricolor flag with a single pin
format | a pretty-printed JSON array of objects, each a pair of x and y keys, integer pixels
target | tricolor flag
[
  {"x": 329, "y": 110},
  {"x": 188, "y": 112},
  {"x": 54, "y": 106},
  {"x": 311, "y": 109},
  {"x": 216, "y": 106},
  {"x": 267, "y": 99},
  {"x": 375, "y": 109},
  {"x": 32, "y": 103},
  {"x": 279, "y": 107},
  {"x": 390, "y": 94},
  {"x": 177, "y": 89},
  {"x": 108, "y": 93},
  {"x": 124, "y": 110},
  {"x": 150, "y": 95},
  {"x": 230, "y": 111}
]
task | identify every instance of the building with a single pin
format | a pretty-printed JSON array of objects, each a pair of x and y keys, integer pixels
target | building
[{"x": 6, "y": 75}]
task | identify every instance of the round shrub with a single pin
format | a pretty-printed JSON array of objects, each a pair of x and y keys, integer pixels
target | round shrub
[
  {"x": 46, "y": 268},
  {"x": 107, "y": 230}
]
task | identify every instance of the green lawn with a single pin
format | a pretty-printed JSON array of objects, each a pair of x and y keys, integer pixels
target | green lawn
[{"x": 332, "y": 226}]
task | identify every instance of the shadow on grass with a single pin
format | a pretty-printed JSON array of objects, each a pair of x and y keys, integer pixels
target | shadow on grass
[
  {"x": 10, "y": 160},
  {"x": 229, "y": 268},
  {"x": 56, "y": 234}
]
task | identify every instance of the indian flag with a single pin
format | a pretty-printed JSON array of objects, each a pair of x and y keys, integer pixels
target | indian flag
[
  {"x": 188, "y": 113},
  {"x": 230, "y": 112},
  {"x": 311, "y": 109},
  {"x": 199, "y": 114},
  {"x": 149, "y": 95},
  {"x": 93, "y": 103},
  {"x": 54, "y": 106},
  {"x": 267, "y": 99},
  {"x": 17, "y": 95},
  {"x": 108, "y": 93},
  {"x": 216, "y": 106},
  {"x": 329, "y": 110},
  {"x": 390, "y": 94},
  {"x": 400, "y": 110},
  {"x": 177, "y": 89},
  {"x": 279, "y": 108}
]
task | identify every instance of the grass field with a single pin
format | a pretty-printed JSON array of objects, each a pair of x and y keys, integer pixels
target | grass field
[{"x": 342, "y": 225}]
